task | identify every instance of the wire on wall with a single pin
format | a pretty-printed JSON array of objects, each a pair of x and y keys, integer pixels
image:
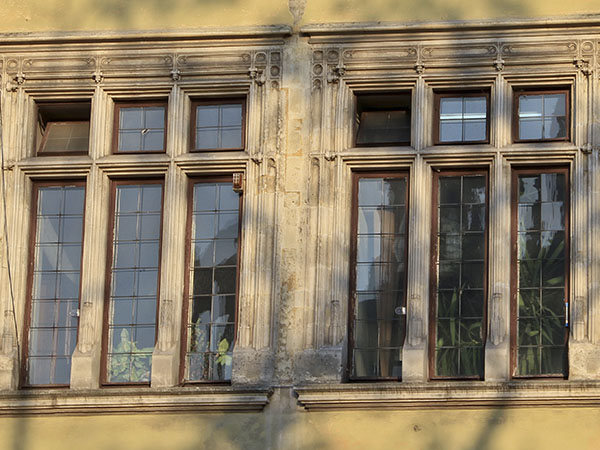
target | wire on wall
[{"x": 8, "y": 265}]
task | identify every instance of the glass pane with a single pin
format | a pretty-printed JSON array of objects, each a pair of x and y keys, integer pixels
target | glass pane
[
  {"x": 530, "y": 128},
  {"x": 154, "y": 117},
  {"x": 131, "y": 118},
  {"x": 212, "y": 312},
  {"x": 207, "y": 116},
  {"x": 378, "y": 328},
  {"x": 231, "y": 115},
  {"x": 554, "y": 104},
  {"x": 451, "y": 106},
  {"x": 542, "y": 274},
  {"x": 451, "y": 131},
  {"x": 475, "y": 130}
]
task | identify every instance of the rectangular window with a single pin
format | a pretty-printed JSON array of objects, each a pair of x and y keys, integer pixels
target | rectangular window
[
  {"x": 378, "y": 300},
  {"x": 134, "y": 281},
  {"x": 383, "y": 119},
  {"x": 218, "y": 124},
  {"x": 541, "y": 116},
  {"x": 210, "y": 315},
  {"x": 461, "y": 118},
  {"x": 57, "y": 232},
  {"x": 63, "y": 128},
  {"x": 540, "y": 216},
  {"x": 140, "y": 127},
  {"x": 459, "y": 236}
]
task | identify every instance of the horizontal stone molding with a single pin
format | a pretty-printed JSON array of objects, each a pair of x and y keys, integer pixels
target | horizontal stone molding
[
  {"x": 132, "y": 400},
  {"x": 465, "y": 395}
]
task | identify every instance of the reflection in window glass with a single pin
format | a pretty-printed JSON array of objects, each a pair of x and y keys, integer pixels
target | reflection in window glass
[
  {"x": 463, "y": 119},
  {"x": 213, "y": 282},
  {"x": 56, "y": 275},
  {"x": 218, "y": 126},
  {"x": 461, "y": 264},
  {"x": 65, "y": 137},
  {"x": 541, "y": 259},
  {"x": 378, "y": 322},
  {"x": 542, "y": 116},
  {"x": 141, "y": 129},
  {"x": 134, "y": 282}
]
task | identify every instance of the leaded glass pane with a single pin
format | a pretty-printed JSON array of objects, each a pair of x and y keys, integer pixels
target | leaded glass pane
[
  {"x": 378, "y": 322},
  {"x": 541, "y": 254},
  {"x": 141, "y": 129},
  {"x": 218, "y": 126},
  {"x": 213, "y": 279},
  {"x": 56, "y": 275},
  {"x": 461, "y": 265}
]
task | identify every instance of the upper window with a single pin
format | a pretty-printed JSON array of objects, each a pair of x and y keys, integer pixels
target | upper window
[
  {"x": 140, "y": 127},
  {"x": 461, "y": 118},
  {"x": 378, "y": 286},
  {"x": 218, "y": 124},
  {"x": 383, "y": 119},
  {"x": 53, "y": 304},
  {"x": 63, "y": 128},
  {"x": 541, "y": 115}
]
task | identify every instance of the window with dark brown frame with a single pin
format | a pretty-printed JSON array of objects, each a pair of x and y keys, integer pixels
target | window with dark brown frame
[
  {"x": 377, "y": 318},
  {"x": 54, "y": 282},
  {"x": 383, "y": 119},
  {"x": 461, "y": 118},
  {"x": 63, "y": 128},
  {"x": 540, "y": 254},
  {"x": 132, "y": 281},
  {"x": 210, "y": 314},
  {"x": 541, "y": 115},
  {"x": 458, "y": 274},
  {"x": 140, "y": 127},
  {"x": 218, "y": 124}
]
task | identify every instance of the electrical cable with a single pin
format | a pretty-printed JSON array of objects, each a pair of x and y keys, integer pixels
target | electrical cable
[{"x": 8, "y": 265}]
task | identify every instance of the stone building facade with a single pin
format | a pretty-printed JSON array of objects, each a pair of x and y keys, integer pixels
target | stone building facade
[{"x": 286, "y": 355}]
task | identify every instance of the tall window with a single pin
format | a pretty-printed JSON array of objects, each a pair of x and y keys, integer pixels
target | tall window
[
  {"x": 130, "y": 320},
  {"x": 540, "y": 272},
  {"x": 459, "y": 275},
  {"x": 57, "y": 234},
  {"x": 211, "y": 311},
  {"x": 377, "y": 307}
]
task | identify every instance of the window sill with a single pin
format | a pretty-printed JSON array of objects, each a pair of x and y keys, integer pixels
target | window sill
[
  {"x": 133, "y": 400},
  {"x": 439, "y": 395}
]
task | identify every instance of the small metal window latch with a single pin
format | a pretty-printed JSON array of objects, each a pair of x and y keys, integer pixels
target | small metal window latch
[
  {"x": 566, "y": 314},
  {"x": 400, "y": 311},
  {"x": 74, "y": 312}
]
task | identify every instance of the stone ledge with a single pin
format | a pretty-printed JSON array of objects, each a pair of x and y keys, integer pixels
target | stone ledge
[
  {"x": 434, "y": 395},
  {"x": 132, "y": 400}
]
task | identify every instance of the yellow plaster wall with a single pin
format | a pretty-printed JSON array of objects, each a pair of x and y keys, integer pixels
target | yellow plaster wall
[
  {"x": 514, "y": 429},
  {"x": 90, "y": 15}
]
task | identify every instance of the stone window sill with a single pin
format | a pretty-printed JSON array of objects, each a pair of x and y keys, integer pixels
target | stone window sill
[
  {"x": 438, "y": 395},
  {"x": 132, "y": 400}
]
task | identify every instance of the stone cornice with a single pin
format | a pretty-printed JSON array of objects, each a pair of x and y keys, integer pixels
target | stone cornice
[
  {"x": 437, "y": 395},
  {"x": 133, "y": 400}
]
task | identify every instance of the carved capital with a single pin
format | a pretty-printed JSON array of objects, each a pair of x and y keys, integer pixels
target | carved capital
[
  {"x": 330, "y": 156},
  {"x": 257, "y": 159},
  {"x": 419, "y": 68},
  {"x": 98, "y": 76},
  {"x": 175, "y": 74},
  {"x": 336, "y": 73},
  {"x": 583, "y": 65},
  {"x": 499, "y": 64},
  {"x": 257, "y": 75},
  {"x": 13, "y": 84},
  {"x": 587, "y": 148}
]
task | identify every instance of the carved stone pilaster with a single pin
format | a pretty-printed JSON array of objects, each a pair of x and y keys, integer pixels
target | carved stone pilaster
[
  {"x": 415, "y": 327},
  {"x": 578, "y": 318},
  {"x": 87, "y": 333},
  {"x": 497, "y": 320},
  {"x": 166, "y": 338}
]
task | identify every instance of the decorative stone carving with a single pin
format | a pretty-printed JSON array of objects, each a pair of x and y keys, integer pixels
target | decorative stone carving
[
  {"x": 419, "y": 68},
  {"x": 497, "y": 333},
  {"x": 7, "y": 342},
  {"x": 86, "y": 341},
  {"x": 499, "y": 64},
  {"x": 175, "y": 74},
  {"x": 578, "y": 322},
  {"x": 336, "y": 73},
  {"x": 166, "y": 336},
  {"x": 334, "y": 318},
  {"x": 98, "y": 77},
  {"x": 415, "y": 327},
  {"x": 583, "y": 65},
  {"x": 257, "y": 75}
]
